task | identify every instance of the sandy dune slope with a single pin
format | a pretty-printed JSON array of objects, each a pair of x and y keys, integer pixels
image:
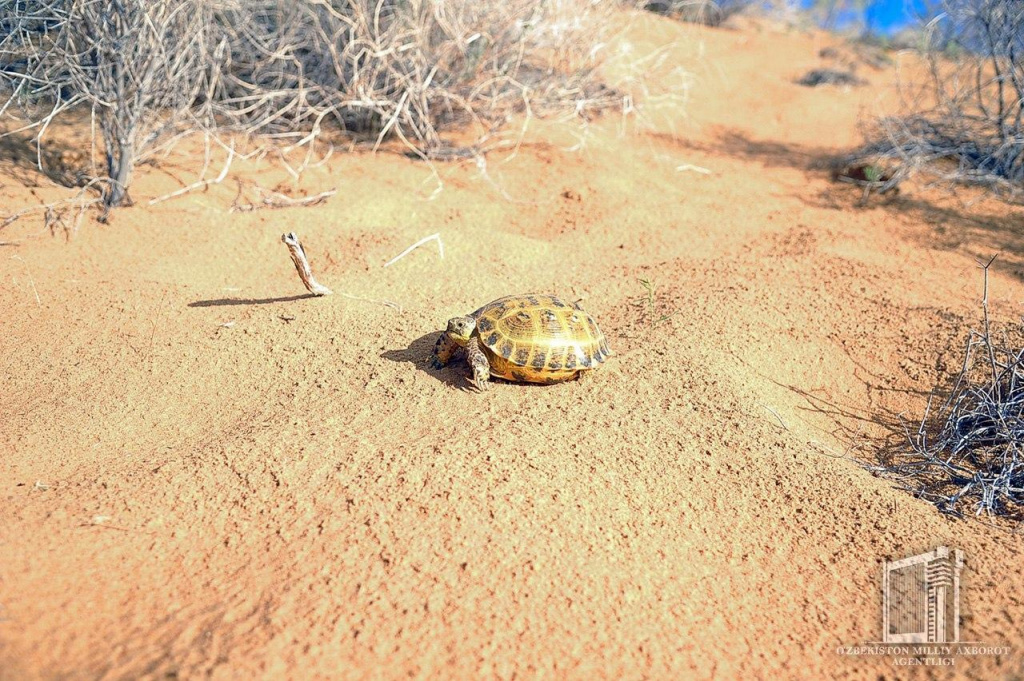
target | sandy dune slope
[{"x": 206, "y": 473}]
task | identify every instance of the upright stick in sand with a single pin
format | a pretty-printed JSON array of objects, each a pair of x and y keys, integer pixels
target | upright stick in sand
[{"x": 291, "y": 240}]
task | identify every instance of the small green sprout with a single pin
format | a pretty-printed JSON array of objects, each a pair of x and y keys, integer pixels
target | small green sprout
[{"x": 654, "y": 319}]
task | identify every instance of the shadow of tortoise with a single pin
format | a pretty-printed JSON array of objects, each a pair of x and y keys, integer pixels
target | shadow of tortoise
[{"x": 419, "y": 354}]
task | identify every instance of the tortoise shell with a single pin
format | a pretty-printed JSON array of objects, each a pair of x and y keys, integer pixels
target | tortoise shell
[{"x": 539, "y": 338}]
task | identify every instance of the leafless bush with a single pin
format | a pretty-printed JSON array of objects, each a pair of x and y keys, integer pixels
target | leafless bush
[
  {"x": 410, "y": 68},
  {"x": 968, "y": 453},
  {"x": 139, "y": 66},
  {"x": 966, "y": 118},
  {"x": 291, "y": 69}
]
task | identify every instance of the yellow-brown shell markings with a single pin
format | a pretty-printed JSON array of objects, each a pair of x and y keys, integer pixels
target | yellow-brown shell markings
[{"x": 539, "y": 338}]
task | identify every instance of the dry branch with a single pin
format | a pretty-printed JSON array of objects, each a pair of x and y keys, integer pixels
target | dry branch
[
  {"x": 295, "y": 250},
  {"x": 275, "y": 200},
  {"x": 201, "y": 184},
  {"x": 66, "y": 214}
]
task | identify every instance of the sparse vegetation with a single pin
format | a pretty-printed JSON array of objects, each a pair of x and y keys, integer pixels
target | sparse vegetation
[
  {"x": 965, "y": 122},
  {"x": 816, "y": 77},
  {"x": 830, "y": 14},
  {"x": 967, "y": 455},
  {"x": 409, "y": 69},
  {"x": 139, "y": 66},
  {"x": 856, "y": 52},
  {"x": 373, "y": 69},
  {"x": 707, "y": 12},
  {"x": 868, "y": 176},
  {"x": 651, "y": 304}
]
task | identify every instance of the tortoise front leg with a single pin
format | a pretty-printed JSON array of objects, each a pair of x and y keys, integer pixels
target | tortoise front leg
[
  {"x": 444, "y": 348},
  {"x": 481, "y": 367}
]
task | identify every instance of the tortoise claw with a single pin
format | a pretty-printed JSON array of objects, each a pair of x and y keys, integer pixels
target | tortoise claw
[{"x": 436, "y": 364}]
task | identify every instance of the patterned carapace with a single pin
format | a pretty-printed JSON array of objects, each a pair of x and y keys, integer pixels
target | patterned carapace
[{"x": 535, "y": 338}]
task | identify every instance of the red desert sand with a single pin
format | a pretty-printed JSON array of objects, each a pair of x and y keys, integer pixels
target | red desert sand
[{"x": 208, "y": 473}]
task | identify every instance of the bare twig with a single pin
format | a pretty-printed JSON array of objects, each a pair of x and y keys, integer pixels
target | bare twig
[
  {"x": 426, "y": 239},
  {"x": 201, "y": 184},
  {"x": 988, "y": 333},
  {"x": 291, "y": 240},
  {"x": 56, "y": 213},
  {"x": 31, "y": 281},
  {"x": 776, "y": 415},
  {"x": 305, "y": 273},
  {"x": 275, "y": 200}
]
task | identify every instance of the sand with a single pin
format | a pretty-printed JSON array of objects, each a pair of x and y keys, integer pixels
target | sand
[{"x": 208, "y": 474}]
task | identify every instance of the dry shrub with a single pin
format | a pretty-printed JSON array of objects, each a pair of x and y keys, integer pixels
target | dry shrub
[
  {"x": 967, "y": 454},
  {"x": 410, "y": 69},
  {"x": 140, "y": 67},
  {"x": 964, "y": 121},
  {"x": 292, "y": 69}
]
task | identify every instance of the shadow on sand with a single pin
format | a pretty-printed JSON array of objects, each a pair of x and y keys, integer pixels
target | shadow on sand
[
  {"x": 219, "y": 302},
  {"x": 63, "y": 163},
  {"x": 456, "y": 374},
  {"x": 419, "y": 354}
]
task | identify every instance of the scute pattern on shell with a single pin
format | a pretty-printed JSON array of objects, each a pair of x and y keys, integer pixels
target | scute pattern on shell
[{"x": 539, "y": 338}]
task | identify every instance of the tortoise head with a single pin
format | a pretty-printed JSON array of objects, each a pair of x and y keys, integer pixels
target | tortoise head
[{"x": 461, "y": 329}]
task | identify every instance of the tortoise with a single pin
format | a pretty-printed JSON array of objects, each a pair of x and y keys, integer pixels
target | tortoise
[{"x": 531, "y": 338}]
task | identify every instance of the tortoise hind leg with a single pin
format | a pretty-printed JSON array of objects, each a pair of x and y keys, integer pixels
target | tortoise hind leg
[
  {"x": 444, "y": 349},
  {"x": 481, "y": 367}
]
